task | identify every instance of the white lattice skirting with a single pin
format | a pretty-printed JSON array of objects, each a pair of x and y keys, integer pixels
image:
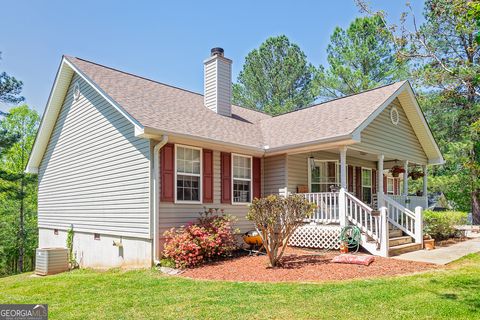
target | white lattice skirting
[{"x": 316, "y": 236}]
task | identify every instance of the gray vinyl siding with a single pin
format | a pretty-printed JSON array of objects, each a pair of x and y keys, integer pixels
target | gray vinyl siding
[
  {"x": 178, "y": 214},
  {"x": 275, "y": 174},
  {"x": 95, "y": 172},
  {"x": 395, "y": 141},
  {"x": 297, "y": 167}
]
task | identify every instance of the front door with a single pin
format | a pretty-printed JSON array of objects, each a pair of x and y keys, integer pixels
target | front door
[
  {"x": 367, "y": 185},
  {"x": 323, "y": 176}
]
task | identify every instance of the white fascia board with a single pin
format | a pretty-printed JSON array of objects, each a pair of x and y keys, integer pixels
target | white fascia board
[
  {"x": 379, "y": 110},
  {"x": 105, "y": 95},
  {"x": 46, "y": 124},
  {"x": 405, "y": 86},
  {"x": 50, "y": 115},
  {"x": 439, "y": 159}
]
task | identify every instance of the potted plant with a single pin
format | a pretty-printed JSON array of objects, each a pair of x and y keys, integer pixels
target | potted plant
[
  {"x": 416, "y": 174},
  {"x": 428, "y": 242},
  {"x": 396, "y": 170}
]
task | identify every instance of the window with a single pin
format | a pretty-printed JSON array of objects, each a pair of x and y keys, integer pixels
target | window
[
  {"x": 390, "y": 182},
  {"x": 242, "y": 178},
  {"x": 366, "y": 185},
  {"x": 188, "y": 173},
  {"x": 323, "y": 176}
]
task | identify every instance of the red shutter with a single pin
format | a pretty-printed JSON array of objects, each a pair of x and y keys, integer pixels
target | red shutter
[
  {"x": 226, "y": 177},
  {"x": 257, "y": 178},
  {"x": 385, "y": 184},
  {"x": 207, "y": 176},
  {"x": 350, "y": 178},
  {"x": 331, "y": 169},
  {"x": 374, "y": 181},
  {"x": 358, "y": 182},
  {"x": 395, "y": 186},
  {"x": 167, "y": 159}
]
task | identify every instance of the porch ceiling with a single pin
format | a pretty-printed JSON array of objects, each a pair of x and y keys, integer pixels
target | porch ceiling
[{"x": 352, "y": 153}]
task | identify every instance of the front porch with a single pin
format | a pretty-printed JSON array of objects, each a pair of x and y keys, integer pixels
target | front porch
[{"x": 358, "y": 189}]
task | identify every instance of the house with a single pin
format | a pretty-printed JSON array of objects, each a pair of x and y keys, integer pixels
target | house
[{"x": 120, "y": 159}]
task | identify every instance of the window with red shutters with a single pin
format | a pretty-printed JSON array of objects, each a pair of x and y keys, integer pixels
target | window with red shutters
[
  {"x": 257, "y": 178},
  {"x": 207, "y": 176},
  {"x": 167, "y": 160},
  {"x": 226, "y": 177}
]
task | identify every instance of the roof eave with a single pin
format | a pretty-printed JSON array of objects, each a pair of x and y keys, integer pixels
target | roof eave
[
  {"x": 437, "y": 158},
  {"x": 325, "y": 143},
  {"x": 53, "y": 107}
]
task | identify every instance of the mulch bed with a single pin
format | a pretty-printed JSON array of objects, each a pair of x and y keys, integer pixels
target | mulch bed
[{"x": 302, "y": 265}]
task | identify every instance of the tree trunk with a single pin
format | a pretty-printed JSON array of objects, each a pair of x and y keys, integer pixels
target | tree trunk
[
  {"x": 476, "y": 206},
  {"x": 21, "y": 247}
]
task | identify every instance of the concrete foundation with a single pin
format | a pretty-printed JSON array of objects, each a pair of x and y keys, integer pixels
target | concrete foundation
[{"x": 101, "y": 253}]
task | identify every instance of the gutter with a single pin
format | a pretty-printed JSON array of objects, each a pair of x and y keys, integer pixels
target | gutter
[{"x": 155, "y": 196}]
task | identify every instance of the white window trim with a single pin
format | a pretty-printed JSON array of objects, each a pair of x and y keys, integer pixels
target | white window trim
[
  {"x": 337, "y": 172},
  {"x": 393, "y": 185},
  {"x": 242, "y": 179},
  {"x": 365, "y": 186},
  {"x": 200, "y": 191}
]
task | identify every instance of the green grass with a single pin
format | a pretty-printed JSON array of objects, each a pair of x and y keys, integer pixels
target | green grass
[{"x": 452, "y": 293}]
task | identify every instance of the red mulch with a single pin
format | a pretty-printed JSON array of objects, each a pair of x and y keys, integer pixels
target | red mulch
[{"x": 302, "y": 265}]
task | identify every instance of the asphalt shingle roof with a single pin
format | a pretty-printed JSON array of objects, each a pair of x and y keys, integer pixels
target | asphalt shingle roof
[{"x": 174, "y": 110}]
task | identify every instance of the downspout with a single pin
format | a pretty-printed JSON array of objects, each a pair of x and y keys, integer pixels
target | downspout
[{"x": 156, "y": 195}]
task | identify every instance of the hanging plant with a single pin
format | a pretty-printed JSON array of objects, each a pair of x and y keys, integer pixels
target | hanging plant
[
  {"x": 396, "y": 170},
  {"x": 416, "y": 174}
]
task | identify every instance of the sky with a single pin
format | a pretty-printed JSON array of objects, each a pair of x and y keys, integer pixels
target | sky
[{"x": 163, "y": 40}]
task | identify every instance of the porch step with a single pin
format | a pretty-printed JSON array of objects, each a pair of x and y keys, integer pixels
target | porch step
[
  {"x": 395, "y": 233},
  {"x": 393, "y": 242},
  {"x": 404, "y": 248}
]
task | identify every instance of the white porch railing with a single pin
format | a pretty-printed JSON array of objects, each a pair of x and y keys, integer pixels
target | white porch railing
[
  {"x": 360, "y": 215},
  {"x": 406, "y": 220},
  {"x": 410, "y": 202},
  {"x": 327, "y": 210},
  {"x": 344, "y": 208}
]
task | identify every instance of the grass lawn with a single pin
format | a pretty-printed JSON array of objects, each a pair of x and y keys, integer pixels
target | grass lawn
[{"x": 452, "y": 293}]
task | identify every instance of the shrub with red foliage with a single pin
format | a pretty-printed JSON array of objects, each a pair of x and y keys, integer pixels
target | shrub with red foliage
[{"x": 191, "y": 245}]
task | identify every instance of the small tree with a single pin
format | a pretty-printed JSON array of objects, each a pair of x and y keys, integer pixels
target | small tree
[{"x": 276, "y": 218}]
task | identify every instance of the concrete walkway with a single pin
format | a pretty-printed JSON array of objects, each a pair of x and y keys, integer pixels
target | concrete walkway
[{"x": 443, "y": 255}]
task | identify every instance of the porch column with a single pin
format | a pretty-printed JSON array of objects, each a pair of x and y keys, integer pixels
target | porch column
[
  {"x": 343, "y": 168},
  {"x": 425, "y": 192},
  {"x": 405, "y": 178},
  {"x": 342, "y": 200},
  {"x": 380, "y": 181}
]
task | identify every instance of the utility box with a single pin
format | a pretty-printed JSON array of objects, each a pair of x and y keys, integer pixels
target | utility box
[{"x": 51, "y": 261}]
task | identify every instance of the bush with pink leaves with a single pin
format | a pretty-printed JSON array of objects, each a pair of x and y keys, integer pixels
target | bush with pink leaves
[{"x": 212, "y": 236}]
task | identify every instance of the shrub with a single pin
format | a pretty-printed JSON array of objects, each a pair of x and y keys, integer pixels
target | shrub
[
  {"x": 212, "y": 236},
  {"x": 440, "y": 225},
  {"x": 167, "y": 262},
  {"x": 276, "y": 218}
]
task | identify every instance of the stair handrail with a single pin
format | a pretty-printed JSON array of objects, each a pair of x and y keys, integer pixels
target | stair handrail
[
  {"x": 408, "y": 223},
  {"x": 370, "y": 224}
]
